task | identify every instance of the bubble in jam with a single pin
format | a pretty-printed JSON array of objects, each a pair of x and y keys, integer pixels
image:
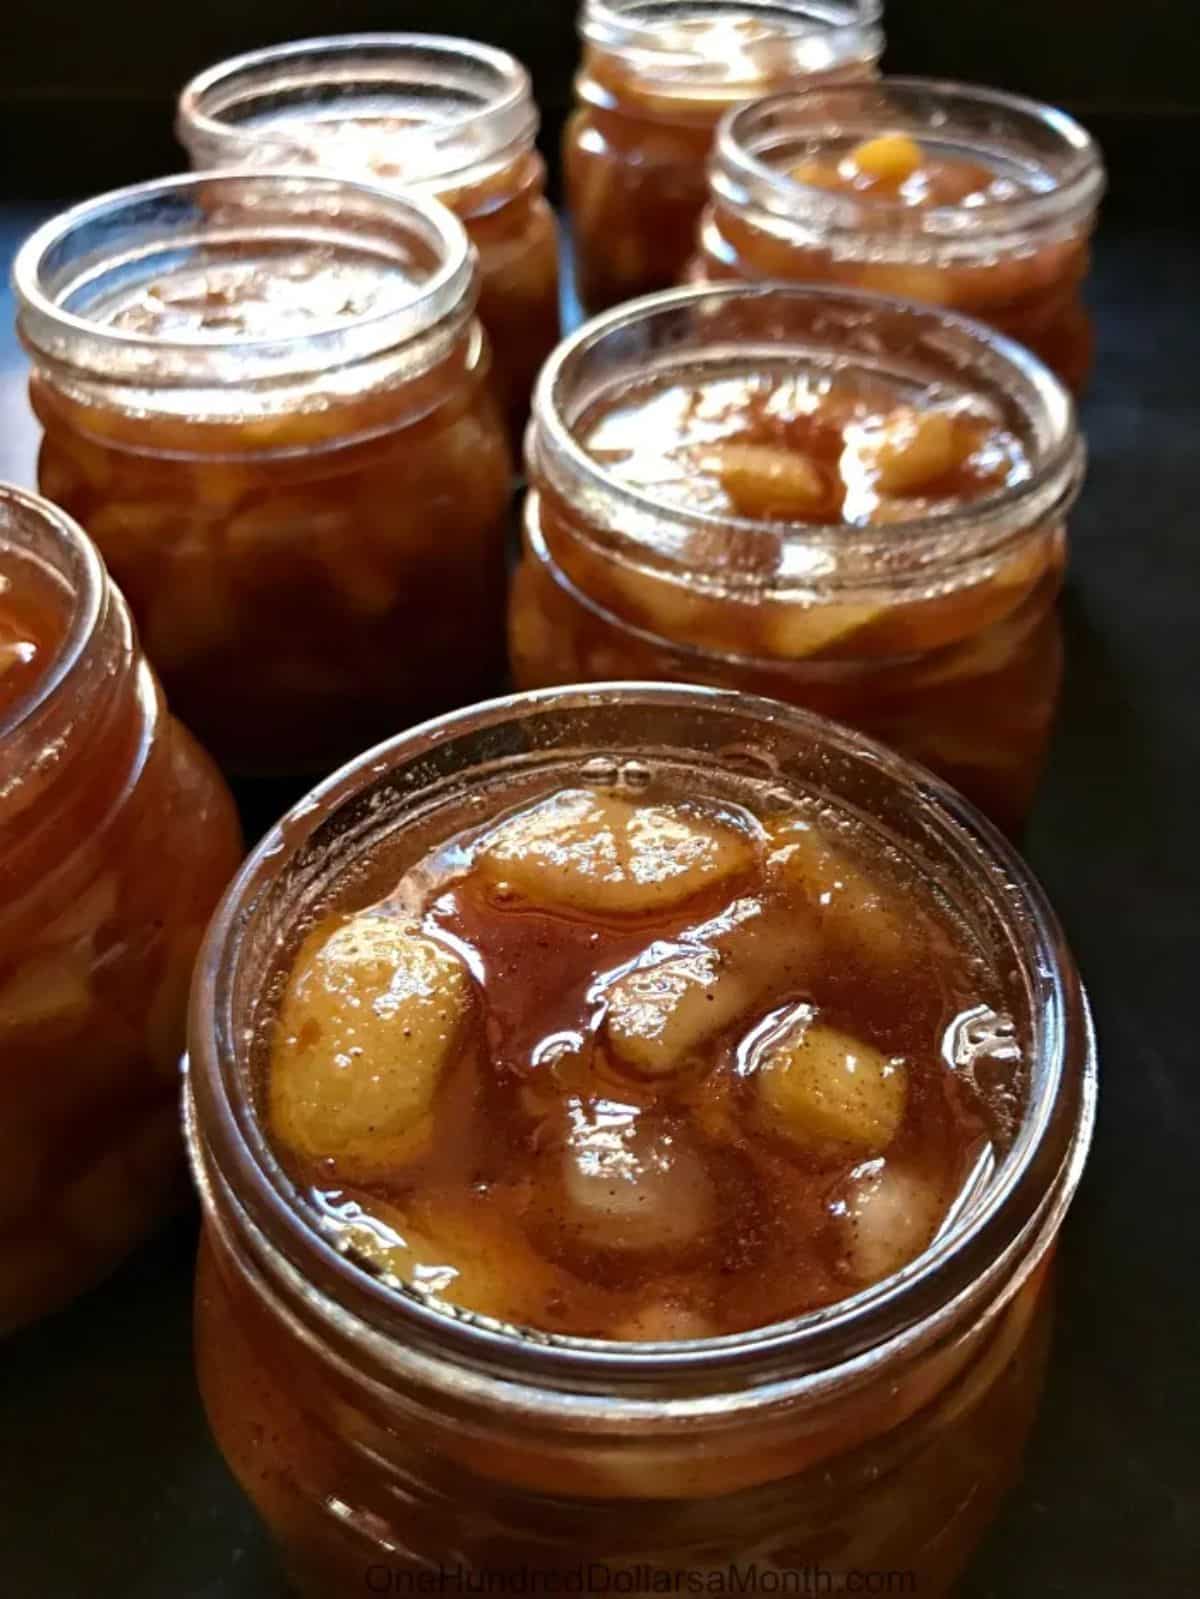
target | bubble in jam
[{"x": 638, "y": 1062}]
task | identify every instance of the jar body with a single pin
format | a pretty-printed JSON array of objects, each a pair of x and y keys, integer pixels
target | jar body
[
  {"x": 304, "y": 599},
  {"x": 1015, "y": 255},
  {"x": 636, "y": 149},
  {"x": 510, "y": 223},
  {"x": 1034, "y": 296},
  {"x": 914, "y": 1497},
  {"x": 117, "y": 837},
  {"x": 967, "y": 685}
]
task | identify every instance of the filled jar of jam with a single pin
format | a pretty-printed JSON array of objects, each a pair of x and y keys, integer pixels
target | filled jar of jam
[
  {"x": 117, "y": 838},
  {"x": 824, "y": 496},
  {"x": 632, "y": 1127},
  {"x": 266, "y": 397},
  {"x": 955, "y": 196},
  {"x": 444, "y": 117},
  {"x": 656, "y": 79}
]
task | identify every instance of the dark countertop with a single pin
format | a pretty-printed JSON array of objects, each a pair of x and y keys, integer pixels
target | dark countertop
[{"x": 111, "y": 1486}]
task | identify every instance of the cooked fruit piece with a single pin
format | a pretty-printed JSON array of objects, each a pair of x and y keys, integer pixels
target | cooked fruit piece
[
  {"x": 594, "y": 852},
  {"x": 890, "y": 158},
  {"x": 819, "y": 1086},
  {"x": 905, "y": 449},
  {"x": 891, "y": 1214},
  {"x": 763, "y": 480},
  {"x": 51, "y": 990},
  {"x": 682, "y": 993},
  {"x": 850, "y": 905},
  {"x": 632, "y": 1187},
  {"x": 452, "y": 1255},
  {"x": 371, "y": 1016}
]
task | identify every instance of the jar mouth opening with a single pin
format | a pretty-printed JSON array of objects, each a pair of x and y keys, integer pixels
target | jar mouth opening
[
  {"x": 410, "y": 248},
  {"x": 463, "y": 102},
  {"x": 46, "y": 534},
  {"x": 659, "y": 28},
  {"x": 1008, "y": 1197},
  {"x": 1060, "y": 160},
  {"x": 641, "y": 522}
]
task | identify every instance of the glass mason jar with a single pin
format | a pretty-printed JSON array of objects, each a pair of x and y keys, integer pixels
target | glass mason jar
[
  {"x": 265, "y": 397},
  {"x": 1018, "y": 262},
  {"x": 657, "y": 77},
  {"x": 378, "y": 1434},
  {"x": 117, "y": 838},
  {"x": 444, "y": 117},
  {"x": 938, "y": 635}
]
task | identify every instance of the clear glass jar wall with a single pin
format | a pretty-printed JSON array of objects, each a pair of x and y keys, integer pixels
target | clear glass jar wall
[
  {"x": 377, "y": 1434},
  {"x": 935, "y": 630},
  {"x": 117, "y": 837},
  {"x": 265, "y": 396},
  {"x": 447, "y": 117}
]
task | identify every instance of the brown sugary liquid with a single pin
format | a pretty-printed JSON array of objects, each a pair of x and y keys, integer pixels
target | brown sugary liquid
[
  {"x": 34, "y": 609},
  {"x": 867, "y": 451},
  {"x": 664, "y": 1068}
]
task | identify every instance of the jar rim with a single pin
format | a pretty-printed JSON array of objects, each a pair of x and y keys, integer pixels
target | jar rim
[
  {"x": 1017, "y": 1209},
  {"x": 857, "y": 554},
  {"x": 507, "y": 115},
  {"x": 74, "y": 248},
  {"x": 742, "y": 178},
  {"x": 89, "y": 585},
  {"x": 633, "y": 24}
]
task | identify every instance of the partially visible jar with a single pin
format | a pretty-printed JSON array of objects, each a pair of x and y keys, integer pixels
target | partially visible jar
[
  {"x": 445, "y": 117},
  {"x": 656, "y": 79},
  {"x": 379, "y": 1435},
  {"x": 935, "y": 632},
  {"x": 1013, "y": 251},
  {"x": 117, "y": 838},
  {"x": 265, "y": 396}
]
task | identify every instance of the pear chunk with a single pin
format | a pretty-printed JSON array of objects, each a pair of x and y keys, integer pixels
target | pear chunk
[
  {"x": 372, "y": 1014},
  {"x": 594, "y": 852},
  {"x": 681, "y": 994},
  {"x": 819, "y": 1086},
  {"x": 891, "y": 1214},
  {"x": 631, "y": 1188},
  {"x": 850, "y": 904}
]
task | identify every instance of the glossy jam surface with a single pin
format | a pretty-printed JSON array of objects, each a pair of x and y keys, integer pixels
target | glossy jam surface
[
  {"x": 625, "y": 1065},
  {"x": 34, "y": 617},
  {"x": 1030, "y": 290},
  {"x": 117, "y": 837},
  {"x": 636, "y": 149},
  {"x": 804, "y": 447},
  {"x": 293, "y": 562}
]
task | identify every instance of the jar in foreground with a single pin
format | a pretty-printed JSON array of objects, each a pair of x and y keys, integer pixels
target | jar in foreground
[
  {"x": 265, "y": 397},
  {"x": 446, "y": 117},
  {"x": 956, "y": 196},
  {"x": 655, "y": 81},
  {"x": 380, "y": 1432},
  {"x": 117, "y": 838},
  {"x": 838, "y": 500}
]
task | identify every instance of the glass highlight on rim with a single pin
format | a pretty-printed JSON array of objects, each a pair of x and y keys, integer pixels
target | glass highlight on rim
[
  {"x": 470, "y": 102},
  {"x": 845, "y": 553},
  {"x": 642, "y": 25},
  {"x": 40, "y": 529},
  {"x": 758, "y": 141},
  {"x": 130, "y": 233},
  {"x": 1006, "y": 1218}
]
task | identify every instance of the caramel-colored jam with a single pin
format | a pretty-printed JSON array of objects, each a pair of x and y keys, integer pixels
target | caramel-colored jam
[{"x": 632, "y": 1066}]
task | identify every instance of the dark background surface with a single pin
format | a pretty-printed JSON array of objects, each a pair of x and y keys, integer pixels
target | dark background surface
[{"x": 109, "y": 1486}]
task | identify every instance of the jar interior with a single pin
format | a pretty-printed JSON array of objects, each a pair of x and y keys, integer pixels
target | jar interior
[
  {"x": 349, "y": 843},
  {"x": 429, "y": 106},
  {"x": 1042, "y": 152},
  {"x": 700, "y": 337}
]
